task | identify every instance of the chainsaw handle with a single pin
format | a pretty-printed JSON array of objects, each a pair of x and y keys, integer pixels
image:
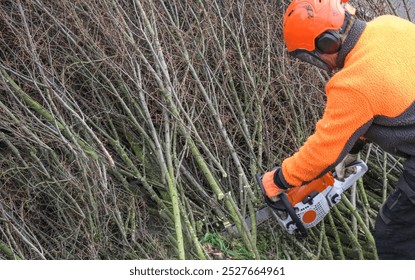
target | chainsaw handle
[
  {"x": 291, "y": 211},
  {"x": 287, "y": 206},
  {"x": 268, "y": 201}
]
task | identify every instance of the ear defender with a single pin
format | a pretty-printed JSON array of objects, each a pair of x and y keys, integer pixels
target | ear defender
[{"x": 329, "y": 42}]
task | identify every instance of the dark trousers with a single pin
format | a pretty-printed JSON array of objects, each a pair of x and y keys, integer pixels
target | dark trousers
[{"x": 395, "y": 225}]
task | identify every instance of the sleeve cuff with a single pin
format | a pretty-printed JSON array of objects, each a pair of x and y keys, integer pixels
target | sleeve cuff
[{"x": 280, "y": 181}]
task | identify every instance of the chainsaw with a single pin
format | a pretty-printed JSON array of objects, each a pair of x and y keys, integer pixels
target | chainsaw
[{"x": 304, "y": 207}]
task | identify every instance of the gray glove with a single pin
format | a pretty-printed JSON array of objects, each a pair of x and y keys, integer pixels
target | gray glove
[{"x": 342, "y": 171}]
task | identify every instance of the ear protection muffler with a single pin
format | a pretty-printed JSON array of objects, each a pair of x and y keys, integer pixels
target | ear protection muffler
[{"x": 329, "y": 42}]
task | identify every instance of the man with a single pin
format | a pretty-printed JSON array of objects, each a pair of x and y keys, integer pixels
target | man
[{"x": 370, "y": 97}]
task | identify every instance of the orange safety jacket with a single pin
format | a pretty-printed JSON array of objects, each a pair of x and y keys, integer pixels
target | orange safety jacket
[{"x": 372, "y": 96}]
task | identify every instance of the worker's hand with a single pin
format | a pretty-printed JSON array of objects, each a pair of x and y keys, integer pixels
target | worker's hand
[
  {"x": 270, "y": 188},
  {"x": 342, "y": 171}
]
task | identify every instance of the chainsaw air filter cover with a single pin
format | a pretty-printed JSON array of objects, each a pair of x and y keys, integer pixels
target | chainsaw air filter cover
[{"x": 310, "y": 213}]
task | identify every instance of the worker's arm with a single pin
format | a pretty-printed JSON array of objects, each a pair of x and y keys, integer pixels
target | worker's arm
[{"x": 346, "y": 118}]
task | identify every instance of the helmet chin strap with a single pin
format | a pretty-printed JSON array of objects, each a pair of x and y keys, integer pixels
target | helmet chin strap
[
  {"x": 329, "y": 60},
  {"x": 320, "y": 62},
  {"x": 328, "y": 68},
  {"x": 325, "y": 66}
]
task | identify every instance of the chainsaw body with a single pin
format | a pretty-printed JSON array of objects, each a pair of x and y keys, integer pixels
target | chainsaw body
[{"x": 304, "y": 207}]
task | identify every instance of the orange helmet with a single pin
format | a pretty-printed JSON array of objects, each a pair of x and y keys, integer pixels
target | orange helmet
[
  {"x": 306, "y": 20},
  {"x": 314, "y": 27}
]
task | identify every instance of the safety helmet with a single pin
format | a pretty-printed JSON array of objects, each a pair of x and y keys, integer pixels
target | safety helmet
[{"x": 314, "y": 26}]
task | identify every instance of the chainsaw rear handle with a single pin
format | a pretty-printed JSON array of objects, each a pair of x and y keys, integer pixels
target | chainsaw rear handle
[{"x": 287, "y": 206}]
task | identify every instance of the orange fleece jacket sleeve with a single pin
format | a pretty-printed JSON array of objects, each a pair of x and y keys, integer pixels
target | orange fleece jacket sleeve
[{"x": 347, "y": 116}]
